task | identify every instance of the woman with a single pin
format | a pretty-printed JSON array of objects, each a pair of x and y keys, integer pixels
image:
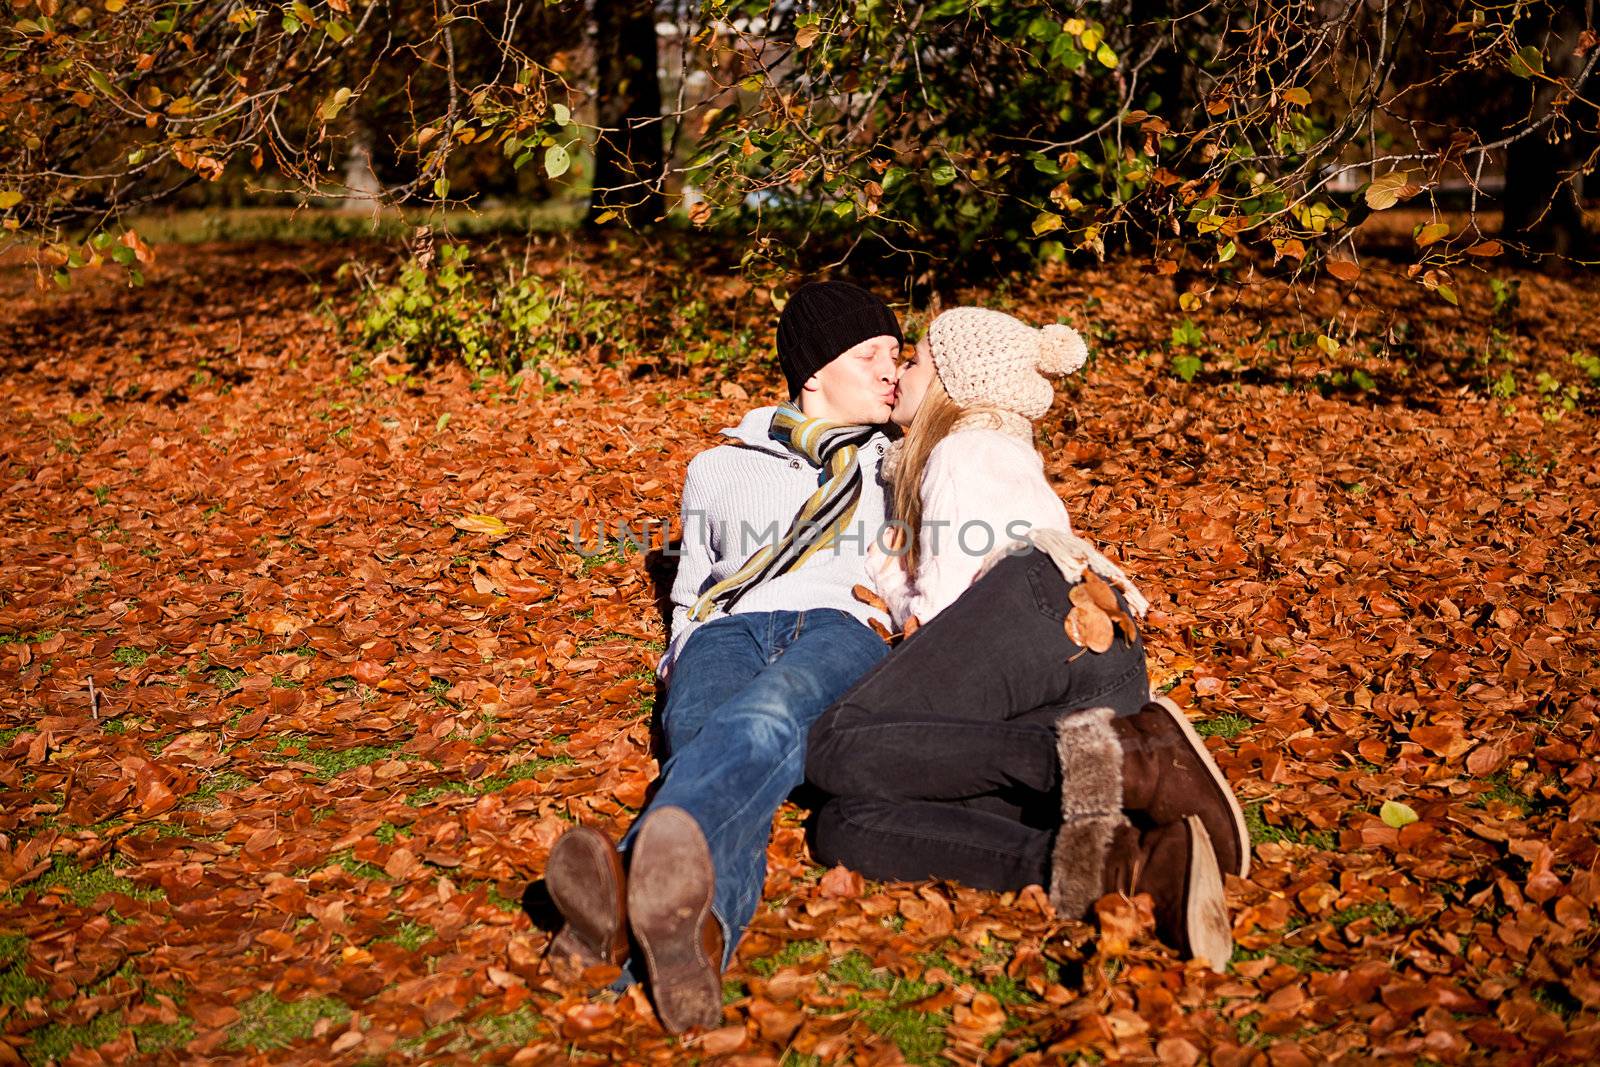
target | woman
[{"x": 1011, "y": 738}]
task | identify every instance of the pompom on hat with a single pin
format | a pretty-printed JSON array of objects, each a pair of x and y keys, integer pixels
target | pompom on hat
[{"x": 987, "y": 358}]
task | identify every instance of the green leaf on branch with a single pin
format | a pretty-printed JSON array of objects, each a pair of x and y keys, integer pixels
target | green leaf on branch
[
  {"x": 1431, "y": 233},
  {"x": 557, "y": 161},
  {"x": 1385, "y": 192},
  {"x": 562, "y": 113},
  {"x": 334, "y": 104},
  {"x": 942, "y": 172},
  {"x": 1045, "y": 222},
  {"x": 1527, "y": 62}
]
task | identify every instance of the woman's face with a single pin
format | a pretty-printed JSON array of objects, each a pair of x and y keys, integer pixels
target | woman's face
[{"x": 915, "y": 374}]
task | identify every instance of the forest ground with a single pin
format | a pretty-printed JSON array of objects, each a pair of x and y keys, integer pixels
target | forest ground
[{"x": 302, "y": 676}]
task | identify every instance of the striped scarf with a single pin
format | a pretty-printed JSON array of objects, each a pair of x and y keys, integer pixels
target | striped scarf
[{"x": 832, "y": 448}]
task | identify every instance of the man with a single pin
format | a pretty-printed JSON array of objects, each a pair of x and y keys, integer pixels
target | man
[{"x": 766, "y": 634}]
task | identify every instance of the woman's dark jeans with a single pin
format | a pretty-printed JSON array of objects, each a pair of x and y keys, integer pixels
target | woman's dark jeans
[{"x": 941, "y": 760}]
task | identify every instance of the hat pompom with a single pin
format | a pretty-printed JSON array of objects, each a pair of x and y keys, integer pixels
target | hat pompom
[{"x": 1061, "y": 350}]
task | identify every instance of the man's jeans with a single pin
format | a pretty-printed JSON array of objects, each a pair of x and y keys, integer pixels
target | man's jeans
[
  {"x": 745, "y": 690},
  {"x": 942, "y": 761}
]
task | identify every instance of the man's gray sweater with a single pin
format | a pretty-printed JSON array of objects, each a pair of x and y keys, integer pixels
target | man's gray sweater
[{"x": 742, "y": 495}]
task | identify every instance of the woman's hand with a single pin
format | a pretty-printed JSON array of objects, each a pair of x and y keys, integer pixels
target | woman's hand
[{"x": 886, "y": 570}]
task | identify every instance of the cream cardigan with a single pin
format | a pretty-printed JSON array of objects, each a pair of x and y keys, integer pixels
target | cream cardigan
[{"x": 983, "y": 493}]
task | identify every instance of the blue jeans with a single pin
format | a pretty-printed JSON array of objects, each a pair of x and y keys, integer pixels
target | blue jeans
[{"x": 743, "y": 694}]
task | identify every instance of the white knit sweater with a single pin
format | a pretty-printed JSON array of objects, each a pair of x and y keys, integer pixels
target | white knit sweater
[
  {"x": 742, "y": 495},
  {"x": 983, "y": 490}
]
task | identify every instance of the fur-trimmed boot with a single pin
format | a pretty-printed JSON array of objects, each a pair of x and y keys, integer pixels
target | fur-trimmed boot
[
  {"x": 1167, "y": 774},
  {"x": 1098, "y": 851},
  {"x": 1091, "y": 809}
]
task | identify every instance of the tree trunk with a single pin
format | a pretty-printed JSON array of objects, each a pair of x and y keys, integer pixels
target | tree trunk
[
  {"x": 1544, "y": 171},
  {"x": 1543, "y": 201},
  {"x": 628, "y": 160}
]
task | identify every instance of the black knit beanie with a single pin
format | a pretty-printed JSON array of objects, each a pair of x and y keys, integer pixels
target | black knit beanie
[{"x": 822, "y": 321}]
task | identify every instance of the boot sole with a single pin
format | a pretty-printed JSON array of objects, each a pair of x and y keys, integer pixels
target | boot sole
[
  {"x": 1198, "y": 744},
  {"x": 670, "y": 887},
  {"x": 1210, "y": 934},
  {"x": 579, "y": 872}
]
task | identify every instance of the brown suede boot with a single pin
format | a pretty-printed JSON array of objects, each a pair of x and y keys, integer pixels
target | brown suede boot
[
  {"x": 671, "y": 883},
  {"x": 584, "y": 876},
  {"x": 1167, "y": 774},
  {"x": 1176, "y": 865}
]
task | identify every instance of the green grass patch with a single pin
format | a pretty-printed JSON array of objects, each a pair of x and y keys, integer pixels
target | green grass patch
[
  {"x": 152, "y": 1038},
  {"x": 15, "y": 985},
  {"x": 1554, "y": 997},
  {"x": 1500, "y": 788},
  {"x": 790, "y": 954},
  {"x": 410, "y": 936},
  {"x": 265, "y": 1022},
  {"x": 27, "y": 638},
  {"x": 11, "y": 734},
  {"x": 355, "y": 868},
  {"x": 260, "y": 223},
  {"x": 1384, "y": 916},
  {"x": 1006, "y": 990},
  {"x": 330, "y": 763},
  {"x": 500, "y": 900},
  {"x": 645, "y": 707},
  {"x": 919, "y": 1035},
  {"x": 227, "y": 679},
  {"x": 51, "y": 1044},
  {"x": 614, "y": 554},
  {"x": 1228, "y": 726},
  {"x": 1300, "y": 957},
  {"x": 82, "y": 886},
  {"x": 520, "y": 1027},
  {"x": 491, "y": 784},
  {"x": 1262, "y": 832},
  {"x": 212, "y": 788},
  {"x": 129, "y": 656}
]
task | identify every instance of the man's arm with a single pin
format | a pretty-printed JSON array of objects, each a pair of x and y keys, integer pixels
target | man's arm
[{"x": 698, "y": 552}]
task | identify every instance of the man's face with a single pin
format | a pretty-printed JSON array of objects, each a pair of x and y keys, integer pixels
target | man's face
[{"x": 857, "y": 387}]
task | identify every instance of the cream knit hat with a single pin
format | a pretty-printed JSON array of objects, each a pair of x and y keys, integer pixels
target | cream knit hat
[{"x": 987, "y": 358}]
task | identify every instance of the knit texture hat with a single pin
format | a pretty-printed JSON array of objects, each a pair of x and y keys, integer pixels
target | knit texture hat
[
  {"x": 987, "y": 358},
  {"x": 822, "y": 321}
]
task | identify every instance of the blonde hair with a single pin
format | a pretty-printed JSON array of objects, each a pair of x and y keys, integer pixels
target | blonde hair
[{"x": 935, "y": 417}]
